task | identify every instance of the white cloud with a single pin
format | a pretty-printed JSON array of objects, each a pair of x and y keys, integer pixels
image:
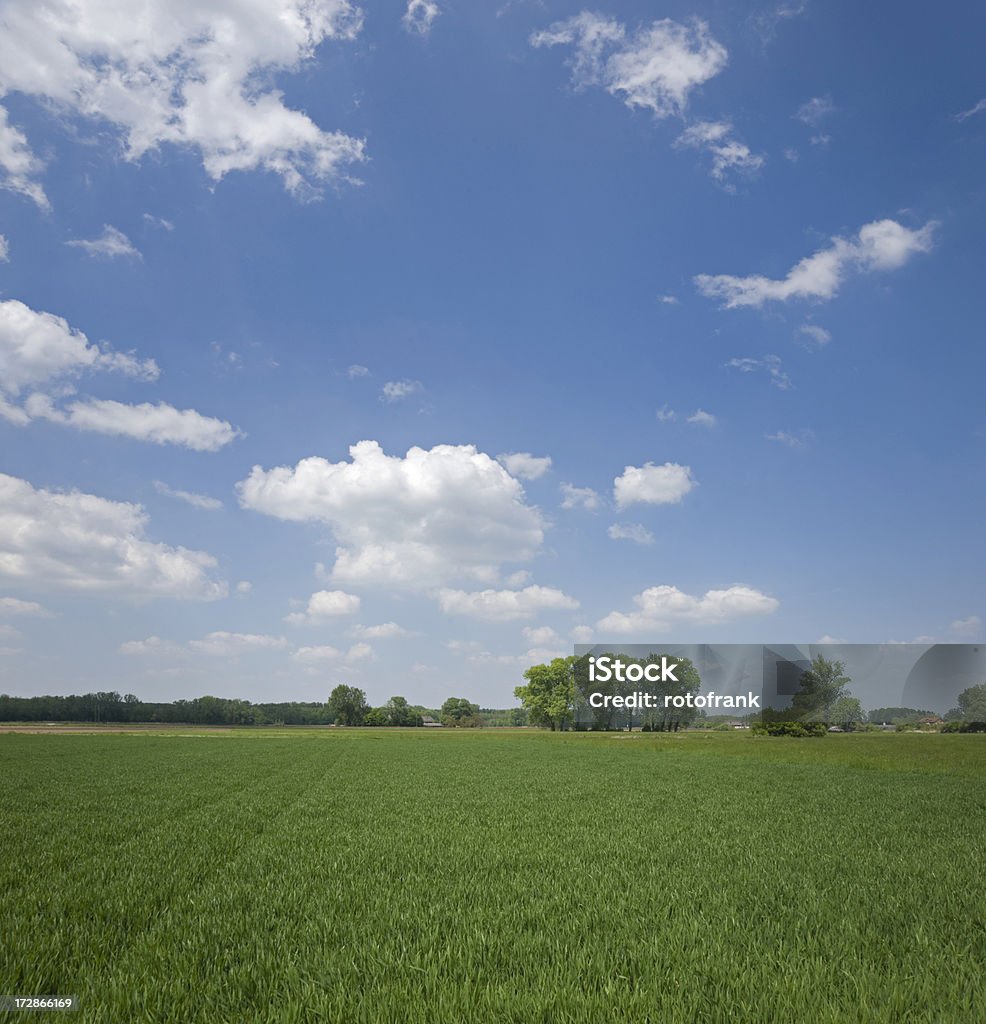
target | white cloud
[
  {"x": 39, "y": 348},
  {"x": 110, "y": 244},
  {"x": 158, "y": 424},
  {"x": 244, "y": 587},
  {"x": 771, "y": 364},
  {"x": 230, "y": 645},
  {"x": 152, "y": 646},
  {"x": 419, "y": 16},
  {"x": 817, "y": 334},
  {"x": 653, "y": 485},
  {"x": 785, "y": 437},
  {"x": 383, "y": 631},
  {"x": 202, "y": 501},
  {"x": 660, "y": 608},
  {"x": 970, "y": 628},
  {"x": 4, "y": 249},
  {"x": 654, "y": 68},
  {"x": 880, "y": 245},
  {"x": 78, "y": 541},
  {"x": 976, "y": 108},
  {"x": 183, "y": 73},
  {"x": 315, "y": 655},
  {"x": 701, "y": 418},
  {"x": 540, "y": 636},
  {"x": 324, "y": 605},
  {"x": 518, "y": 578},
  {"x": 14, "y": 606},
  {"x": 395, "y": 390},
  {"x": 631, "y": 531},
  {"x": 356, "y": 370},
  {"x": 728, "y": 153},
  {"x": 666, "y": 414},
  {"x": 580, "y": 497},
  {"x": 668, "y": 300},
  {"x": 815, "y": 110},
  {"x": 825, "y": 638},
  {"x": 433, "y": 516},
  {"x": 359, "y": 652},
  {"x": 503, "y": 605},
  {"x": 19, "y": 167},
  {"x": 582, "y": 634},
  {"x": 524, "y": 465}
]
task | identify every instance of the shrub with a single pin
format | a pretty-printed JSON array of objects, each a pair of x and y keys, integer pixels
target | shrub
[{"x": 799, "y": 730}]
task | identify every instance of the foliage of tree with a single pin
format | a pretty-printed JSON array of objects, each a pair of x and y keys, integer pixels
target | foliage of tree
[
  {"x": 549, "y": 695},
  {"x": 847, "y": 712},
  {"x": 972, "y": 703},
  {"x": 347, "y": 705},
  {"x": 458, "y": 712},
  {"x": 822, "y": 684}
]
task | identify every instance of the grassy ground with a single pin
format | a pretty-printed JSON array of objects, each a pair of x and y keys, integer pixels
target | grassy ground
[{"x": 378, "y": 876}]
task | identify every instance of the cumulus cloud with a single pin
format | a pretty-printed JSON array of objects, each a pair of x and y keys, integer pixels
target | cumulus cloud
[
  {"x": 181, "y": 73},
  {"x": 158, "y": 423},
  {"x": 395, "y": 390},
  {"x": 653, "y": 485},
  {"x": 540, "y": 636},
  {"x": 666, "y": 414},
  {"x": 503, "y": 605},
  {"x": 880, "y": 245},
  {"x": 4, "y": 249},
  {"x": 19, "y": 167},
  {"x": 356, "y": 370},
  {"x": 582, "y": 634},
  {"x": 422, "y": 520},
  {"x": 701, "y": 418},
  {"x": 152, "y": 646},
  {"x": 230, "y": 645},
  {"x": 580, "y": 497},
  {"x": 77, "y": 541},
  {"x": 654, "y": 68},
  {"x": 111, "y": 244},
  {"x": 524, "y": 465},
  {"x": 668, "y": 300},
  {"x": 324, "y": 605},
  {"x": 14, "y": 606},
  {"x": 202, "y": 501},
  {"x": 729, "y": 155},
  {"x": 383, "y": 631},
  {"x": 420, "y": 15},
  {"x": 315, "y": 655},
  {"x": 771, "y": 365},
  {"x": 631, "y": 531},
  {"x": 40, "y": 348},
  {"x": 660, "y": 608}
]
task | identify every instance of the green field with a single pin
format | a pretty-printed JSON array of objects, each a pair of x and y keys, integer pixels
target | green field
[{"x": 433, "y": 876}]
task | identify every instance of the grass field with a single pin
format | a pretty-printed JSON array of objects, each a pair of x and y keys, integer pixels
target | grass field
[{"x": 378, "y": 876}]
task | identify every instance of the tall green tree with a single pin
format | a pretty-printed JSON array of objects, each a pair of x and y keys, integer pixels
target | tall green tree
[
  {"x": 549, "y": 695},
  {"x": 460, "y": 712},
  {"x": 347, "y": 705},
  {"x": 972, "y": 703},
  {"x": 821, "y": 686},
  {"x": 848, "y": 712}
]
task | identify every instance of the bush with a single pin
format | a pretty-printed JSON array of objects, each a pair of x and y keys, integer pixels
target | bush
[{"x": 799, "y": 730}]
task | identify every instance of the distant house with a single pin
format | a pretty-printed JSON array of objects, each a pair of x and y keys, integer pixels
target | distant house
[
  {"x": 836, "y": 728},
  {"x": 428, "y": 722}
]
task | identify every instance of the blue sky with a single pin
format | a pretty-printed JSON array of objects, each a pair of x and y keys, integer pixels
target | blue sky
[{"x": 721, "y": 265}]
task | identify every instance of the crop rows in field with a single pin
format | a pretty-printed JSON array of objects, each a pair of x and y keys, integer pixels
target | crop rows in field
[{"x": 392, "y": 876}]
